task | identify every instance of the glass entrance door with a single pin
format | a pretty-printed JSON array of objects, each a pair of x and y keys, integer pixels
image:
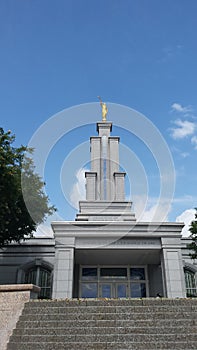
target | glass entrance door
[
  {"x": 121, "y": 290},
  {"x": 113, "y": 282},
  {"x": 114, "y": 290},
  {"x": 106, "y": 290}
]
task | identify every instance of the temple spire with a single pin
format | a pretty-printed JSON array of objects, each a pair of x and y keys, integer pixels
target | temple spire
[{"x": 105, "y": 190}]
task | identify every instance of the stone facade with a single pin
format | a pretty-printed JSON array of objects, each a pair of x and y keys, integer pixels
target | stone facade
[{"x": 105, "y": 252}]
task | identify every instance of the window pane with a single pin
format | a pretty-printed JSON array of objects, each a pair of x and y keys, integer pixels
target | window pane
[
  {"x": 89, "y": 290},
  {"x": 45, "y": 284},
  {"x": 30, "y": 276},
  {"x": 44, "y": 281},
  {"x": 137, "y": 273},
  {"x": 121, "y": 291},
  {"x": 89, "y": 273},
  {"x": 138, "y": 290},
  {"x": 113, "y": 272},
  {"x": 106, "y": 291},
  {"x": 190, "y": 282}
]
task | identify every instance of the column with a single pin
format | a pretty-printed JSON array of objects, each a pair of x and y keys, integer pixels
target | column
[
  {"x": 104, "y": 129},
  {"x": 63, "y": 272},
  {"x": 113, "y": 164},
  {"x": 95, "y": 162},
  {"x": 119, "y": 186},
  {"x": 172, "y": 266},
  {"x": 91, "y": 186}
]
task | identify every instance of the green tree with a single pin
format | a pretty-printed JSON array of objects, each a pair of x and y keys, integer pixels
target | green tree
[
  {"x": 23, "y": 203},
  {"x": 193, "y": 244}
]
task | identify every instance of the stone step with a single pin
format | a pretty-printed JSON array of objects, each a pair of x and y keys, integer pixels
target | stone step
[
  {"x": 104, "y": 330},
  {"x": 109, "y": 316},
  {"x": 108, "y": 309},
  {"x": 107, "y": 323},
  {"x": 189, "y": 345},
  {"x": 105, "y": 338},
  {"x": 113, "y": 302}
]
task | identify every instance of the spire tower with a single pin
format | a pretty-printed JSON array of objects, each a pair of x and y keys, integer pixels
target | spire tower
[{"x": 105, "y": 193}]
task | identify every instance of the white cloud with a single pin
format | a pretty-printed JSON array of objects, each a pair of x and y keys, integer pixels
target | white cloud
[
  {"x": 190, "y": 200},
  {"x": 177, "y": 107},
  {"x": 151, "y": 210},
  {"x": 155, "y": 213},
  {"x": 78, "y": 191},
  {"x": 187, "y": 217},
  {"x": 194, "y": 141},
  {"x": 184, "y": 154},
  {"x": 43, "y": 230},
  {"x": 184, "y": 128}
]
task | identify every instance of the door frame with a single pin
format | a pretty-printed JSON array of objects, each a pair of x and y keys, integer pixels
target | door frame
[
  {"x": 113, "y": 286},
  {"x": 114, "y": 281}
]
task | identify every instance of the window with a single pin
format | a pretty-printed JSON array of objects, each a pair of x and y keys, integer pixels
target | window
[
  {"x": 138, "y": 290},
  {"x": 89, "y": 290},
  {"x": 89, "y": 273},
  {"x": 138, "y": 282},
  {"x": 113, "y": 282},
  {"x": 112, "y": 272},
  {"x": 137, "y": 273},
  {"x": 190, "y": 282},
  {"x": 41, "y": 277}
]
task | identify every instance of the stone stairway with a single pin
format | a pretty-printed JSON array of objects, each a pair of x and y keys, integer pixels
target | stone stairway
[
  {"x": 12, "y": 300},
  {"x": 107, "y": 324}
]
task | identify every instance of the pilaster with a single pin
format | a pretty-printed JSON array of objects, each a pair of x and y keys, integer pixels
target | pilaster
[
  {"x": 91, "y": 185},
  {"x": 119, "y": 186},
  {"x": 172, "y": 266},
  {"x": 113, "y": 165},
  {"x": 63, "y": 269}
]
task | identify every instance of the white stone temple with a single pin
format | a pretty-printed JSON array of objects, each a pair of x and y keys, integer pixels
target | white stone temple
[{"x": 105, "y": 252}]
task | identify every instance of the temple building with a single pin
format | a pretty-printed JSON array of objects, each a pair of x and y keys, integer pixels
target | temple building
[{"x": 105, "y": 252}]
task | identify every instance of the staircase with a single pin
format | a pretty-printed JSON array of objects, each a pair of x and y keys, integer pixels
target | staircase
[
  {"x": 107, "y": 324},
  {"x": 12, "y": 300}
]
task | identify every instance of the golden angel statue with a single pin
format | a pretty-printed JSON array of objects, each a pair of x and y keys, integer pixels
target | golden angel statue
[{"x": 104, "y": 109}]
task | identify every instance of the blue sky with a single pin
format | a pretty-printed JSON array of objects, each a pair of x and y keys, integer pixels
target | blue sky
[{"x": 137, "y": 53}]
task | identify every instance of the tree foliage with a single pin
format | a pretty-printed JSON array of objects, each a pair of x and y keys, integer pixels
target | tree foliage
[
  {"x": 23, "y": 203},
  {"x": 193, "y": 244}
]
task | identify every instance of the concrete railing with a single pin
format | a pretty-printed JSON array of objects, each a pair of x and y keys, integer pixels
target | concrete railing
[{"x": 12, "y": 300}]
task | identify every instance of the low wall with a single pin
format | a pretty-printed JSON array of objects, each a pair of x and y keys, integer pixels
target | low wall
[{"x": 12, "y": 300}]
